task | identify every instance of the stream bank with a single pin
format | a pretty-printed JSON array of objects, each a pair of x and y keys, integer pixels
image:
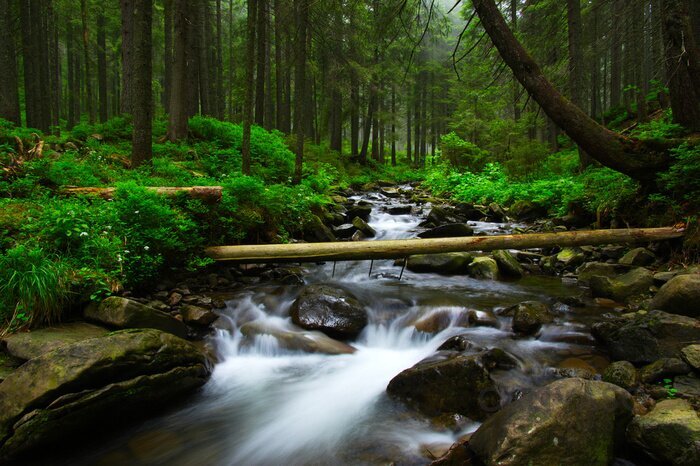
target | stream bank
[{"x": 507, "y": 329}]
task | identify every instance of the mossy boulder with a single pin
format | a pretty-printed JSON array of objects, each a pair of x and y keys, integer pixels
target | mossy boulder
[
  {"x": 663, "y": 368},
  {"x": 623, "y": 374},
  {"x": 29, "y": 345},
  {"x": 317, "y": 231},
  {"x": 451, "y": 382},
  {"x": 450, "y": 230},
  {"x": 570, "y": 421},
  {"x": 633, "y": 283},
  {"x": 198, "y": 316},
  {"x": 602, "y": 269},
  {"x": 364, "y": 227},
  {"x": 691, "y": 355},
  {"x": 363, "y": 211},
  {"x": 525, "y": 211},
  {"x": 570, "y": 257},
  {"x": 447, "y": 263},
  {"x": 669, "y": 434},
  {"x": 329, "y": 309},
  {"x": 680, "y": 295},
  {"x": 644, "y": 337},
  {"x": 507, "y": 264},
  {"x": 638, "y": 257},
  {"x": 529, "y": 316},
  {"x": 60, "y": 396},
  {"x": 483, "y": 267},
  {"x": 117, "y": 312}
]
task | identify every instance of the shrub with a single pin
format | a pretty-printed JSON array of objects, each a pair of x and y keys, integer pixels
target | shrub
[
  {"x": 461, "y": 153},
  {"x": 682, "y": 180}
]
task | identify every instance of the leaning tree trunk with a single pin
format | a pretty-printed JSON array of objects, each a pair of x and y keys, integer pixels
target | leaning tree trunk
[{"x": 637, "y": 159}]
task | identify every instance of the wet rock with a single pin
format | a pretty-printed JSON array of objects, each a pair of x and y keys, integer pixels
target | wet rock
[
  {"x": 529, "y": 316},
  {"x": 333, "y": 311},
  {"x": 483, "y": 319},
  {"x": 602, "y": 269},
  {"x": 362, "y": 226},
  {"x": 307, "y": 342},
  {"x": 439, "y": 215},
  {"x": 661, "y": 278},
  {"x": 358, "y": 236},
  {"x": 362, "y": 211},
  {"x": 638, "y": 257},
  {"x": 681, "y": 295},
  {"x": 439, "y": 319},
  {"x": 644, "y": 337},
  {"x": 399, "y": 209},
  {"x": 119, "y": 312},
  {"x": 526, "y": 211},
  {"x": 450, "y": 230},
  {"x": 456, "y": 383},
  {"x": 469, "y": 211},
  {"x": 29, "y": 345},
  {"x": 669, "y": 434},
  {"x": 635, "y": 282},
  {"x": 496, "y": 213},
  {"x": 507, "y": 264},
  {"x": 687, "y": 385},
  {"x": 285, "y": 275},
  {"x": 317, "y": 231},
  {"x": 345, "y": 231},
  {"x": 570, "y": 257},
  {"x": 447, "y": 263},
  {"x": 174, "y": 298},
  {"x": 612, "y": 251},
  {"x": 198, "y": 316},
  {"x": 570, "y": 421},
  {"x": 59, "y": 397},
  {"x": 483, "y": 267},
  {"x": 459, "y": 343},
  {"x": 575, "y": 367},
  {"x": 623, "y": 374},
  {"x": 8, "y": 364},
  {"x": 691, "y": 355},
  {"x": 663, "y": 368},
  {"x": 390, "y": 192}
]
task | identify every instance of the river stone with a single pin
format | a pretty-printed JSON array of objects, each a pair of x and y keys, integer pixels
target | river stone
[
  {"x": 452, "y": 383},
  {"x": 446, "y": 263},
  {"x": 28, "y": 345},
  {"x": 681, "y": 295},
  {"x": 691, "y": 355},
  {"x": 525, "y": 211},
  {"x": 687, "y": 385},
  {"x": 438, "y": 320},
  {"x": 638, "y": 257},
  {"x": 362, "y": 226},
  {"x": 643, "y": 337},
  {"x": 117, "y": 312},
  {"x": 345, "y": 230},
  {"x": 623, "y": 374},
  {"x": 358, "y": 236},
  {"x": 8, "y": 364},
  {"x": 496, "y": 213},
  {"x": 58, "y": 397},
  {"x": 571, "y": 257},
  {"x": 507, "y": 264},
  {"x": 450, "y": 230},
  {"x": 483, "y": 267},
  {"x": 439, "y": 215},
  {"x": 198, "y": 316},
  {"x": 399, "y": 209},
  {"x": 663, "y": 368},
  {"x": 362, "y": 211},
  {"x": 317, "y": 231},
  {"x": 529, "y": 316},
  {"x": 635, "y": 282},
  {"x": 308, "y": 342},
  {"x": 603, "y": 269},
  {"x": 469, "y": 211},
  {"x": 459, "y": 343},
  {"x": 670, "y": 433},
  {"x": 390, "y": 192},
  {"x": 570, "y": 421},
  {"x": 334, "y": 311}
]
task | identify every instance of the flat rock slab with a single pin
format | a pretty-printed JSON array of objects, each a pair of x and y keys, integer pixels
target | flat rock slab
[{"x": 29, "y": 345}]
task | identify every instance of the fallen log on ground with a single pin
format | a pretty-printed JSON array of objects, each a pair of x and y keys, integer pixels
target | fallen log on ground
[
  {"x": 205, "y": 193},
  {"x": 397, "y": 249}
]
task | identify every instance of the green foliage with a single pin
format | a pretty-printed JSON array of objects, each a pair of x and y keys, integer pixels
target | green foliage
[
  {"x": 33, "y": 287},
  {"x": 662, "y": 128},
  {"x": 670, "y": 391},
  {"x": 461, "y": 153},
  {"x": 115, "y": 129},
  {"x": 682, "y": 181}
]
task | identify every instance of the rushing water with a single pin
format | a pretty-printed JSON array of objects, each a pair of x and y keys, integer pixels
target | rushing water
[{"x": 265, "y": 405}]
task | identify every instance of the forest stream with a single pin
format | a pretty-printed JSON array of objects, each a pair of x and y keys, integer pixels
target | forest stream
[{"x": 267, "y": 405}]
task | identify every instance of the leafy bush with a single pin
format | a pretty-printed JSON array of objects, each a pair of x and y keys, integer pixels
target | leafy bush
[
  {"x": 461, "y": 153},
  {"x": 682, "y": 180}
]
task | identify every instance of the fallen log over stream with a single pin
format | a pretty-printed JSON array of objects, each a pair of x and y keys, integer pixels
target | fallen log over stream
[
  {"x": 398, "y": 249},
  {"x": 209, "y": 194}
]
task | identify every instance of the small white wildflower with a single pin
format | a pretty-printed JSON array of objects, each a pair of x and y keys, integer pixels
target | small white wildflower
[
  {"x": 104, "y": 232},
  {"x": 136, "y": 211},
  {"x": 127, "y": 251},
  {"x": 146, "y": 248},
  {"x": 83, "y": 233},
  {"x": 119, "y": 257},
  {"x": 109, "y": 227}
]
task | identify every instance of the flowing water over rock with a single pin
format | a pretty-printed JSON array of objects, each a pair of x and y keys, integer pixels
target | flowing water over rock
[{"x": 267, "y": 404}]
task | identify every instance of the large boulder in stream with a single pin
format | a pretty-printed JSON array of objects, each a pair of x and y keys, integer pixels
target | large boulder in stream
[
  {"x": 332, "y": 310},
  {"x": 450, "y": 230},
  {"x": 61, "y": 396},
  {"x": 680, "y": 295},
  {"x": 507, "y": 264},
  {"x": 644, "y": 337},
  {"x": 570, "y": 421},
  {"x": 451, "y": 382},
  {"x": 529, "y": 316},
  {"x": 445, "y": 263},
  {"x": 635, "y": 282},
  {"x": 117, "y": 312},
  {"x": 29, "y": 345},
  {"x": 359, "y": 210},
  {"x": 483, "y": 267},
  {"x": 291, "y": 340},
  {"x": 669, "y": 434}
]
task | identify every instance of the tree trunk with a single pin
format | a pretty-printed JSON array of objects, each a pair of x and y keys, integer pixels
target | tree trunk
[
  {"x": 142, "y": 86},
  {"x": 259, "y": 81},
  {"x": 167, "y": 52},
  {"x": 393, "y": 125},
  {"x": 409, "y": 131},
  {"x": 250, "y": 85},
  {"x": 203, "y": 57},
  {"x": 354, "y": 115},
  {"x": 86, "y": 52},
  {"x": 54, "y": 69},
  {"x": 102, "y": 65},
  {"x": 9, "y": 84},
  {"x": 73, "y": 95},
  {"x": 516, "y": 85},
  {"x": 637, "y": 159},
  {"x": 178, "y": 110},
  {"x": 300, "y": 85},
  {"x": 615, "y": 55},
  {"x": 127, "y": 54},
  {"x": 219, "y": 102}
]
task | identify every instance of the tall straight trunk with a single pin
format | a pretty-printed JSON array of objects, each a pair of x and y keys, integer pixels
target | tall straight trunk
[
  {"x": 229, "y": 87},
  {"x": 73, "y": 99},
  {"x": 9, "y": 84},
  {"x": 249, "y": 89},
  {"x": 42, "y": 14},
  {"x": 269, "y": 120},
  {"x": 615, "y": 55},
  {"x": 302, "y": 13},
  {"x": 595, "y": 62},
  {"x": 640, "y": 51},
  {"x": 178, "y": 109},
  {"x": 367, "y": 129},
  {"x": 409, "y": 130},
  {"x": 219, "y": 102},
  {"x": 576, "y": 65},
  {"x": 193, "y": 55},
  {"x": 393, "y": 125},
  {"x": 203, "y": 61},
  {"x": 261, "y": 48},
  {"x": 86, "y": 51},
  {"x": 31, "y": 74},
  {"x": 416, "y": 122},
  {"x": 354, "y": 115},
  {"x": 682, "y": 63},
  {"x": 127, "y": 55},
  {"x": 36, "y": 67},
  {"x": 142, "y": 87},
  {"x": 167, "y": 52},
  {"x": 516, "y": 85},
  {"x": 102, "y": 65},
  {"x": 640, "y": 160},
  {"x": 55, "y": 69},
  {"x": 287, "y": 108},
  {"x": 279, "y": 66}
]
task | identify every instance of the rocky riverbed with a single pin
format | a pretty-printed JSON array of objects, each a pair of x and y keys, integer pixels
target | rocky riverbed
[{"x": 570, "y": 356}]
